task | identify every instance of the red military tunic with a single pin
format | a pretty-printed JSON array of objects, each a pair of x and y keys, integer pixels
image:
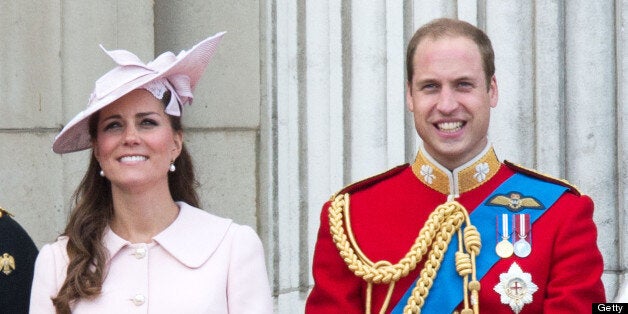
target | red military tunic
[{"x": 389, "y": 210}]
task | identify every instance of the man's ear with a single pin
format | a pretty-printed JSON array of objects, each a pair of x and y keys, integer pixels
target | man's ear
[
  {"x": 493, "y": 93},
  {"x": 409, "y": 102}
]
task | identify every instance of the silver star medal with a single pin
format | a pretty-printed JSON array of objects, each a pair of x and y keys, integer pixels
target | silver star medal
[{"x": 515, "y": 288}]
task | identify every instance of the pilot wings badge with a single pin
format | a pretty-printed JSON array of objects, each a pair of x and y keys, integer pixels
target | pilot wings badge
[
  {"x": 515, "y": 202},
  {"x": 7, "y": 263}
]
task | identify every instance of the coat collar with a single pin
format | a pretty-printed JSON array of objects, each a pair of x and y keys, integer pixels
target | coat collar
[
  {"x": 192, "y": 238},
  {"x": 465, "y": 178}
]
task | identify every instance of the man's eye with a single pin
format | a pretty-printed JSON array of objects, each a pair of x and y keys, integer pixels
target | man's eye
[
  {"x": 465, "y": 85},
  {"x": 429, "y": 87}
]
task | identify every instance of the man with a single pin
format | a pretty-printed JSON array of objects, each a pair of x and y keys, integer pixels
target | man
[
  {"x": 17, "y": 259},
  {"x": 457, "y": 230}
]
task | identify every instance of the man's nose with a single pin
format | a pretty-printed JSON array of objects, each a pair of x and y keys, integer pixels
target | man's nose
[{"x": 447, "y": 102}]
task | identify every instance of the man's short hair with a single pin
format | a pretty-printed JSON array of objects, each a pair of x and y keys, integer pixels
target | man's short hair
[{"x": 445, "y": 27}]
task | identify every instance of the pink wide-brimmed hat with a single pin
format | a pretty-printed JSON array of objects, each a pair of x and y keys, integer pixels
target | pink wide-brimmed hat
[{"x": 178, "y": 74}]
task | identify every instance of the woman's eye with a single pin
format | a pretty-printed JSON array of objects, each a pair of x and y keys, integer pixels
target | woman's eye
[
  {"x": 148, "y": 122},
  {"x": 112, "y": 126}
]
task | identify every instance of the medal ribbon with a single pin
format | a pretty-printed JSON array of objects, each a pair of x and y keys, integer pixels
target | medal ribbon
[
  {"x": 502, "y": 231},
  {"x": 446, "y": 291},
  {"x": 522, "y": 228}
]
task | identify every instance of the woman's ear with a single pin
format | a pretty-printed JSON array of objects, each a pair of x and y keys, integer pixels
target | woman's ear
[
  {"x": 178, "y": 144},
  {"x": 95, "y": 151}
]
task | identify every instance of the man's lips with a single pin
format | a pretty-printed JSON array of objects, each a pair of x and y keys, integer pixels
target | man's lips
[{"x": 450, "y": 126}]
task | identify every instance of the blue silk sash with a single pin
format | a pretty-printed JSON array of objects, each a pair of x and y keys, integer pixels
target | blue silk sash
[{"x": 446, "y": 292}]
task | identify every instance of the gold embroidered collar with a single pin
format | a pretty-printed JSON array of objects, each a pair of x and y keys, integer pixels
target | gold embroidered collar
[{"x": 462, "y": 179}]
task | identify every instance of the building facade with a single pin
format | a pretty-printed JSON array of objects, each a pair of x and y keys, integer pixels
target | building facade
[{"x": 304, "y": 97}]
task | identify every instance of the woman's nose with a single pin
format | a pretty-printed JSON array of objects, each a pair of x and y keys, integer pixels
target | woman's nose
[{"x": 131, "y": 135}]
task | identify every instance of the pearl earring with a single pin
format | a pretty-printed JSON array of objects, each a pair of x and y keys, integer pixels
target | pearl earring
[
  {"x": 102, "y": 173},
  {"x": 172, "y": 167}
]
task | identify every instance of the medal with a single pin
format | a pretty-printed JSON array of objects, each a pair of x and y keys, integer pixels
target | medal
[
  {"x": 522, "y": 247},
  {"x": 516, "y": 288},
  {"x": 504, "y": 248}
]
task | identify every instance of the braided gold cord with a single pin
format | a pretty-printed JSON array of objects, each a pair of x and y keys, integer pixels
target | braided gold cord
[
  {"x": 386, "y": 273},
  {"x": 432, "y": 265},
  {"x": 465, "y": 263},
  {"x": 442, "y": 223},
  {"x": 473, "y": 244}
]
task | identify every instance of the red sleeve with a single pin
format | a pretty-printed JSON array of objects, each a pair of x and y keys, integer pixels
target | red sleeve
[
  {"x": 574, "y": 281},
  {"x": 336, "y": 288}
]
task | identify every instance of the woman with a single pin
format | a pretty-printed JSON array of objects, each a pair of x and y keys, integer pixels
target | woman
[{"x": 135, "y": 240}]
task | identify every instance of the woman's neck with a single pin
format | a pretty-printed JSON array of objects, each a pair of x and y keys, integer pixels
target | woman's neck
[{"x": 138, "y": 217}]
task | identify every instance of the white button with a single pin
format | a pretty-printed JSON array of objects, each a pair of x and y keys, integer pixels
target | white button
[
  {"x": 139, "y": 299},
  {"x": 140, "y": 253}
]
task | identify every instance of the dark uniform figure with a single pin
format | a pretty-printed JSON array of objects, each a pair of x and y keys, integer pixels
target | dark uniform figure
[{"x": 17, "y": 259}]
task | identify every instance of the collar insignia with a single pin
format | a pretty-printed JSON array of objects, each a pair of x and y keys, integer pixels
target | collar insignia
[
  {"x": 515, "y": 202},
  {"x": 460, "y": 180},
  {"x": 515, "y": 288},
  {"x": 7, "y": 263}
]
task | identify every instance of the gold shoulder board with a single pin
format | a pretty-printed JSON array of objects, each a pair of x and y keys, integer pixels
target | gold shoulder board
[
  {"x": 545, "y": 177},
  {"x": 4, "y": 212},
  {"x": 356, "y": 186}
]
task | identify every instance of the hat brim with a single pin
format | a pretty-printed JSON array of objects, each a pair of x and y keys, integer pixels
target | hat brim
[{"x": 75, "y": 134}]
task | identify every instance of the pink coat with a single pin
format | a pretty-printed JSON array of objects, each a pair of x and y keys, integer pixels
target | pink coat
[{"x": 199, "y": 264}]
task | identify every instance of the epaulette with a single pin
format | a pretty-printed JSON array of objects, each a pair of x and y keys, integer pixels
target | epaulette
[
  {"x": 545, "y": 177},
  {"x": 370, "y": 181},
  {"x": 4, "y": 212}
]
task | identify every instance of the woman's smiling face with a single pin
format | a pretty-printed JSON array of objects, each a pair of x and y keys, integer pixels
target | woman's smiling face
[{"x": 135, "y": 142}]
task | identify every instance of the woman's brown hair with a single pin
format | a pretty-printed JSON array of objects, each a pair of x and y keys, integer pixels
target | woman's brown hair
[{"x": 93, "y": 210}]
